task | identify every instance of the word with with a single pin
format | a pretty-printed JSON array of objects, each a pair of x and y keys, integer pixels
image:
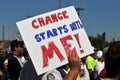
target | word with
[
  {"x": 42, "y": 21},
  {"x": 52, "y": 48},
  {"x": 76, "y": 25},
  {"x": 51, "y": 33}
]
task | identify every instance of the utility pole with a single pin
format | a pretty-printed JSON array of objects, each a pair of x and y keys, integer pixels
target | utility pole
[
  {"x": 78, "y": 9},
  {"x": 60, "y": 3},
  {"x": 3, "y": 34},
  {"x": 103, "y": 39}
]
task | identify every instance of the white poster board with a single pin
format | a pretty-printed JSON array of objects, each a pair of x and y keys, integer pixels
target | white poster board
[{"x": 50, "y": 37}]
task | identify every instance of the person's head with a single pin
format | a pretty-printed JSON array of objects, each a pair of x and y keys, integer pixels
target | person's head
[
  {"x": 17, "y": 46},
  {"x": 99, "y": 55},
  {"x": 112, "y": 60},
  {"x": 94, "y": 53},
  {"x": 2, "y": 52}
]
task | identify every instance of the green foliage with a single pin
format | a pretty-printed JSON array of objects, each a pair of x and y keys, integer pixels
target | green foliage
[{"x": 99, "y": 41}]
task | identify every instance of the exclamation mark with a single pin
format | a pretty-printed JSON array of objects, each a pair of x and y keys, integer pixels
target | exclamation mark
[{"x": 78, "y": 41}]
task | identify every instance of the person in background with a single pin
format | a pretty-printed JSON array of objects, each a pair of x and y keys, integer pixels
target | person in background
[
  {"x": 102, "y": 73},
  {"x": 4, "y": 75},
  {"x": 99, "y": 66},
  {"x": 112, "y": 62},
  {"x": 26, "y": 56},
  {"x": 90, "y": 63},
  {"x": 14, "y": 63},
  {"x": 84, "y": 74}
]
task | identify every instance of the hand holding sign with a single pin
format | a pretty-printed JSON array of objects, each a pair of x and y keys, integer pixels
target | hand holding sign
[{"x": 74, "y": 61}]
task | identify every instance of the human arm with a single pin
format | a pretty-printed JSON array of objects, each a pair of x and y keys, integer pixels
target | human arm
[{"x": 74, "y": 64}]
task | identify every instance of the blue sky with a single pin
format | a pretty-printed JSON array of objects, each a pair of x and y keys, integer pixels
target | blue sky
[{"x": 99, "y": 15}]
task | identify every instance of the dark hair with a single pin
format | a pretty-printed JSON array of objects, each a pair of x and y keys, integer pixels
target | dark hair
[
  {"x": 25, "y": 52},
  {"x": 16, "y": 43},
  {"x": 112, "y": 60}
]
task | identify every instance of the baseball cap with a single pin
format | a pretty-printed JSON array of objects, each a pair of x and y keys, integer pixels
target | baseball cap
[{"x": 99, "y": 54}]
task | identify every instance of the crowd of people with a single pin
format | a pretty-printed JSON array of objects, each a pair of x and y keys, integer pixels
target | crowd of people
[{"x": 100, "y": 65}]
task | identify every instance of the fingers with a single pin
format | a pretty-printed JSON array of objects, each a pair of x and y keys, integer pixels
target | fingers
[
  {"x": 74, "y": 61},
  {"x": 73, "y": 57}
]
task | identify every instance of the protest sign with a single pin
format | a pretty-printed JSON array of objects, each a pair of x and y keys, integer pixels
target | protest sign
[{"x": 50, "y": 37}]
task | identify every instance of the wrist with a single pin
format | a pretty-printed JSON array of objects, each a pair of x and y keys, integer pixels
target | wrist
[{"x": 74, "y": 69}]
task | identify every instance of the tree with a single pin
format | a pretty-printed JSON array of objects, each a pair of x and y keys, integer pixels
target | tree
[{"x": 98, "y": 41}]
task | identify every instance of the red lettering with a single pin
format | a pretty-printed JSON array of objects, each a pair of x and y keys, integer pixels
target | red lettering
[
  {"x": 33, "y": 24},
  {"x": 48, "y": 53},
  {"x": 77, "y": 38},
  {"x": 48, "y": 20},
  {"x": 81, "y": 51},
  {"x": 54, "y": 17},
  {"x": 78, "y": 41},
  {"x": 67, "y": 46},
  {"x": 41, "y": 21},
  {"x": 60, "y": 17},
  {"x": 64, "y": 14}
]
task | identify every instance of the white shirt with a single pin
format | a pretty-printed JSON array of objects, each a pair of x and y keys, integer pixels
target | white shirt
[
  {"x": 86, "y": 75},
  {"x": 99, "y": 67}
]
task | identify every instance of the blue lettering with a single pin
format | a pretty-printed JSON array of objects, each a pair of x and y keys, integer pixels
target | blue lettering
[
  {"x": 42, "y": 35},
  {"x": 76, "y": 25},
  {"x": 73, "y": 26},
  {"x": 60, "y": 29},
  {"x": 38, "y": 39},
  {"x": 65, "y": 29},
  {"x": 55, "y": 32},
  {"x": 49, "y": 34}
]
